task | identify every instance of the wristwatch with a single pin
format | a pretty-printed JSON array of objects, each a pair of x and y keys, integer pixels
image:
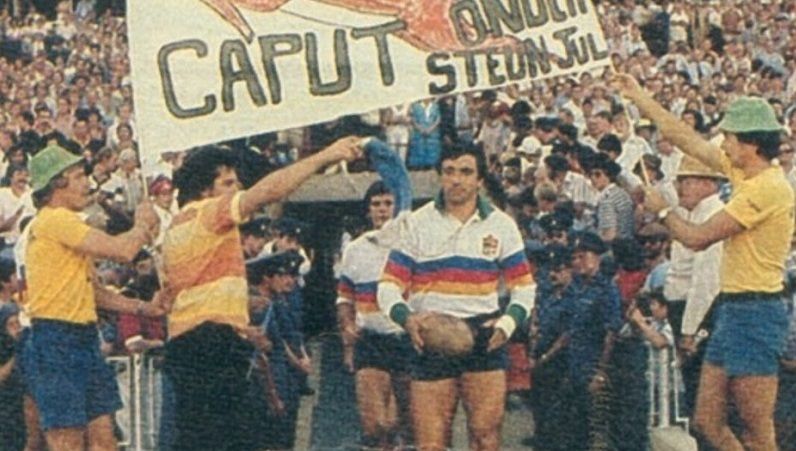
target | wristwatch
[{"x": 664, "y": 213}]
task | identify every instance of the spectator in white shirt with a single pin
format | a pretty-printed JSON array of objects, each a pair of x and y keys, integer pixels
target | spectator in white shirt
[
  {"x": 692, "y": 282},
  {"x": 15, "y": 204}
]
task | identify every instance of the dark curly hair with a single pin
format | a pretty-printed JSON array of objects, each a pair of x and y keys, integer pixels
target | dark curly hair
[{"x": 199, "y": 171}]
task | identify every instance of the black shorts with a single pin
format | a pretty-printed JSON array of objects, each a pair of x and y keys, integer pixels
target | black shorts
[
  {"x": 429, "y": 366},
  {"x": 388, "y": 352}
]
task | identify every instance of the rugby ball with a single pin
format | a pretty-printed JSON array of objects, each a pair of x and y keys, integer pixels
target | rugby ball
[{"x": 446, "y": 335}]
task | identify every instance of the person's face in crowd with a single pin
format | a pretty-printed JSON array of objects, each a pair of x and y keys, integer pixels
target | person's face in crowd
[
  {"x": 585, "y": 263},
  {"x": 13, "y": 327},
  {"x": 75, "y": 194},
  {"x": 128, "y": 165},
  {"x": 253, "y": 244},
  {"x": 653, "y": 245},
  {"x": 381, "y": 209},
  {"x": 577, "y": 93},
  {"x": 658, "y": 309},
  {"x": 20, "y": 180},
  {"x": 460, "y": 180},
  {"x": 561, "y": 276},
  {"x": 786, "y": 154},
  {"x": 16, "y": 156},
  {"x": 64, "y": 107},
  {"x": 80, "y": 129},
  {"x": 125, "y": 113},
  {"x": 645, "y": 133},
  {"x": 5, "y": 140},
  {"x": 690, "y": 119},
  {"x": 511, "y": 174},
  {"x": 164, "y": 199},
  {"x": 124, "y": 133},
  {"x": 692, "y": 190},
  {"x": 281, "y": 283},
  {"x": 286, "y": 242},
  {"x": 664, "y": 147},
  {"x": 226, "y": 182},
  {"x": 556, "y": 236},
  {"x": 621, "y": 126},
  {"x": 599, "y": 179}
]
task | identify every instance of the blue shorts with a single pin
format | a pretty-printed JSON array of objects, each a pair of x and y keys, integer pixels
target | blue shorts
[
  {"x": 388, "y": 352},
  {"x": 67, "y": 375},
  {"x": 749, "y": 334},
  {"x": 429, "y": 366}
]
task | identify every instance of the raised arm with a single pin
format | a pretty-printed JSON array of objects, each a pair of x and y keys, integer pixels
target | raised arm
[
  {"x": 279, "y": 184},
  {"x": 670, "y": 126}
]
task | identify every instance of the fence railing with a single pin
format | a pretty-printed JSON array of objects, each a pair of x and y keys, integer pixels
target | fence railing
[
  {"x": 665, "y": 389},
  {"x": 140, "y": 386}
]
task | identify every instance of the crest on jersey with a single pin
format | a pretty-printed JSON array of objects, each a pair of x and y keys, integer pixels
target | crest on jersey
[{"x": 490, "y": 245}]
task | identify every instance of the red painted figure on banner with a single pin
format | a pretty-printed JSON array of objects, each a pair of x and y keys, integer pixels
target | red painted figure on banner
[{"x": 429, "y": 25}]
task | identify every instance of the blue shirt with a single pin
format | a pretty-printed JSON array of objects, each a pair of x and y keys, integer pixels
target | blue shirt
[
  {"x": 595, "y": 311},
  {"x": 553, "y": 313}
]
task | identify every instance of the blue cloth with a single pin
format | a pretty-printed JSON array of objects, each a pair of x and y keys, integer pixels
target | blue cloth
[
  {"x": 595, "y": 312},
  {"x": 70, "y": 381},
  {"x": 279, "y": 325},
  {"x": 387, "y": 162},
  {"x": 424, "y": 149},
  {"x": 553, "y": 313},
  {"x": 749, "y": 335}
]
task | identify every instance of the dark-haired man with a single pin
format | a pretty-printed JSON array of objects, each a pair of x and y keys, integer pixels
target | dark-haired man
[
  {"x": 451, "y": 259},
  {"x": 376, "y": 349},
  {"x": 742, "y": 357},
  {"x": 203, "y": 261}
]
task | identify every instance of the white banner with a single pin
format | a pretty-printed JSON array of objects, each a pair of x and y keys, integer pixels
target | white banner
[{"x": 205, "y": 71}]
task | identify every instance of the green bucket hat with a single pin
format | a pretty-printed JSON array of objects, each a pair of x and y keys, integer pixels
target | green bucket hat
[
  {"x": 750, "y": 114},
  {"x": 48, "y": 164}
]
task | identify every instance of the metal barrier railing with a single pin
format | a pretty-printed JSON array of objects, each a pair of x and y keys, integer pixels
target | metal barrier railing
[
  {"x": 665, "y": 388},
  {"x": 139, "y": 386}
]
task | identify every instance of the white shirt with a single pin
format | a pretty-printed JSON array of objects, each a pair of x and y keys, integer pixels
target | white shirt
[
  {"x": 579, "y": 189},
  {"x": 694, "y": 275},
  {"x": 9, "y": 205},
  {"x": 632, "y": 151},
  {"x": 670, "y": 164}
]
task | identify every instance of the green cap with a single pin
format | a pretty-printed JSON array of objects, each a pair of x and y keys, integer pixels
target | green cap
[
  {"x": 750, "y": 114},
  {"x": 48, "y": 164}
]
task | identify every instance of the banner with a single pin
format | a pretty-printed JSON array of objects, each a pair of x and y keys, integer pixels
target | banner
[{"x": 205, "y": 71}]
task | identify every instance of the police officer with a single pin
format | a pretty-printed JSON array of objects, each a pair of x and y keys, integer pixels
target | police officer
[
  {"x": 554, "y": 297},
  {"x": 556, "y": 227},
  {"x": 593, "y": 324},
  {"x": 275, "y": 277}
]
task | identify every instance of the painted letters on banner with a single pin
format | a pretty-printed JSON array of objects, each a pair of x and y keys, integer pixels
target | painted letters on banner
[{"x": 206, "y": 71}]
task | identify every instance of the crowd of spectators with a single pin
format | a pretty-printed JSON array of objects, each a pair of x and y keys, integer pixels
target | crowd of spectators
[{"x": 566, "y": 154}]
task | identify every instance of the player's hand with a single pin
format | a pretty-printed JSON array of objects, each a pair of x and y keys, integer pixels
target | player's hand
[
  {"x": 344, "y": 149},
  {"x": 413, "y": 326},
  {"x": 498, "y": 338}
]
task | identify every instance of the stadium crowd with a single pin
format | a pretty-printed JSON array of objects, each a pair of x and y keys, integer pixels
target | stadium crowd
[{"x": 570, "y": 159}]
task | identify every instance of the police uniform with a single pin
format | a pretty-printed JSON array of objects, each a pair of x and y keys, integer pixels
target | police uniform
[
  {"x": 278, "y": 432},
  {"x": 549, "y": 394},
  {"x": 595, "y": 313}
]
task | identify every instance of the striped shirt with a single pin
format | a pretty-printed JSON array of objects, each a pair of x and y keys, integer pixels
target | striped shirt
[
  {"x": 203, "y": 261},
  {"x": 363, "y": 260},
  {"x": 615, "y": 209},
  {"x": 447, "y": 266}
]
